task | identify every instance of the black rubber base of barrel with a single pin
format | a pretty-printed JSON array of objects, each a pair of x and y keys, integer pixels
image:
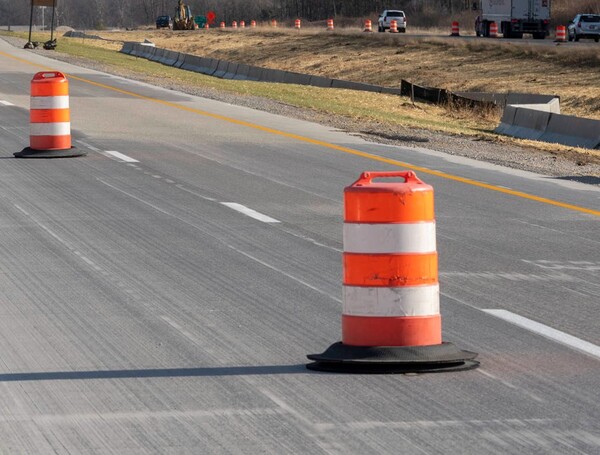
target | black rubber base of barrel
[
  {"x": 66, "y": 153},
  {"x": 342, "y": 358}
]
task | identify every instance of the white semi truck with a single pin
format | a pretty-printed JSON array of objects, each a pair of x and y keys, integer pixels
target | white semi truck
[{"x": 514, "y": 17}]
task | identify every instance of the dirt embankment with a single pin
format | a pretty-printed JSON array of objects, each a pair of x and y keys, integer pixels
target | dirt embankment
[{"x": 569, "y": 70}]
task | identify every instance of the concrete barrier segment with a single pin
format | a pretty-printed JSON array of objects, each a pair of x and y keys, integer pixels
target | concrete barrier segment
[
  {"x": 180, "y": 60},
  {"x": 221, "y": 68},
  {"x": 242, "y": 72},
  {"x": 508, "y": 117},
  {"x": 336, "y": 83},
  {"x": 171, "y": 58},
  {"x": 573, "y": 131},
  {"x": 255, "y": 73},
  {"x": 158, "y": 55},
  {"x": 319, "y": 81},
  {"x": 192, "y": 63},
  {"x": 271, "y": 75},
  {"x": 529, "y": 123},
  {"x": 391, "y": 91},
  {"x": 296, "y": 78},
  {"x": 231, "y": 70},
  {"x": 127, "y": 47}
]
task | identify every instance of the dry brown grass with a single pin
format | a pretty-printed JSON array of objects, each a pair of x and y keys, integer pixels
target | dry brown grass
[{"x": 567, "y": 70}]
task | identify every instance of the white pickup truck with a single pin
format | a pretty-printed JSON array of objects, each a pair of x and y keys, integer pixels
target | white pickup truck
[{"x": 390, "y": 15}]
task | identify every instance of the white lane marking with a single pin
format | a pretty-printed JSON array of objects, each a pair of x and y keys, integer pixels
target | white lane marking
[
  {"x": 91, "y": 147},
  {"x": 68, "y": 245},
  {"x": 510, "y": 385},
  {"x": 141, "y": 416},
  {"x": 249, "y": 212},
  {"x": 6, "y": 103},
  {"x": 548, "y": 332},
  {"x": 119, "y": 156},
  {"x": 298, "y": 280},
  {"x": 158, "y": 209}
]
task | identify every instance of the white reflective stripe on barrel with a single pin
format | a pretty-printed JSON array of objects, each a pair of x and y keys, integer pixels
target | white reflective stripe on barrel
[
  {"x": 49, "y": 102},
  {"x": 389, "y": 238},
  {"x": 392, "y": 302},
  {"x": 50, "y": 129}
]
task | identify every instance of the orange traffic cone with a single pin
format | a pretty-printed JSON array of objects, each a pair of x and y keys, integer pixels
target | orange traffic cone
[
  {"x": 391, "y": 321},
  {"x": 50, "y": 118},
  {"x": 455, "y": 29}
]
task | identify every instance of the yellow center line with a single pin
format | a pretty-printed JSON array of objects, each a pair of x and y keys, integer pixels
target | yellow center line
[{"x": 330, "y": 146}]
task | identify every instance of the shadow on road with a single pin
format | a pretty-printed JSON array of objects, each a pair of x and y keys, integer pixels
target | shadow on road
[
  {"x": 589, "y": 179},
  {"x": 156, "y": 373}
]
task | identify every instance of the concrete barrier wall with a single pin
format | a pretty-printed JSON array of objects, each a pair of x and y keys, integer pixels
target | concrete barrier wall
[
  {"x": 573, "y": 131},
  {"x": 537, "y": 117},
  {"x": 534, "y": 124},
  {"x": 241, "y": 71}
]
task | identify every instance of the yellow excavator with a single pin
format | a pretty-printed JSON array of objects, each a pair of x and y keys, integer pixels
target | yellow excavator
[{"x": 183, "y": 19}]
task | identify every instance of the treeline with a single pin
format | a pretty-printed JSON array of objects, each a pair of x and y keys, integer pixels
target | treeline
[
  {"x": 100, "y": 14},
  {"x": 90, "y": 14}
]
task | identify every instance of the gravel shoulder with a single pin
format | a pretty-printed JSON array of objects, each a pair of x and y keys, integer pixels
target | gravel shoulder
[{"x": 563, "y": 164}]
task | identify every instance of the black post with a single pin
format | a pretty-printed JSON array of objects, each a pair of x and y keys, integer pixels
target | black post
[
  {"x": 30, "y": 21},
  {"x": 52, "y": 25}
]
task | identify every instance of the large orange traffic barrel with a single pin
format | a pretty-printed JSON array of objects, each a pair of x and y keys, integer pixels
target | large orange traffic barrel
[
  {"x": 391, "y": 308},
  {"x": 49, "y": 118}
]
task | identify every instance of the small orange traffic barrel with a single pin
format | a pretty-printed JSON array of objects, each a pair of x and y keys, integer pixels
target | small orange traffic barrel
[
  {"x": 391, "y": 311},
  {"x": 234, "y": 24},
  {"x": 274, "y": 23},
  {"x": 561, "y": 34},
  {"x": 222, "y": 25},
  {"x": 394, "y": 26},
  {"x": 253, "y": 24},
  {"x": 368, "y": 26},
  {"x": 207, "y": 26},
  {"x": 455, "y": 29},
  {"x": 493, "y": 30},
  {"x": 49, "y": 118},
  {"x": 330, "y": 25},
  {"x": 242, "y": 24},
  {"x": 297, "y": 24}
]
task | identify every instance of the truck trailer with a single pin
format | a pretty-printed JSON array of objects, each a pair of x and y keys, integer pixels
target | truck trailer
[{"x": 514, "y": 17}]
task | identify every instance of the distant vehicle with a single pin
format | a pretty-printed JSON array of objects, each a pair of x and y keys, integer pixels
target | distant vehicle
[
  {"x": 514, "y": 18},
  {"x": 585, "y": 26},
  {"x": 163, "y": 22},
  {"x": 389, "y": 15}
]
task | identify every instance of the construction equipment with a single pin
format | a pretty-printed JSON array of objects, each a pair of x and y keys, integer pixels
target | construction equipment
[{"x": 183, "y": 19}]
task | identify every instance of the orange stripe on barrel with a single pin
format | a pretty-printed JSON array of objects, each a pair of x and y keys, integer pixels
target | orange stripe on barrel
[
  {"x": 49, "y": 115},
  {"x": 378, "y": 204},
  {"x": 390, "y": 270},
  {"x": 50, "y": 142},
  {"x": 391, "y": 331}
]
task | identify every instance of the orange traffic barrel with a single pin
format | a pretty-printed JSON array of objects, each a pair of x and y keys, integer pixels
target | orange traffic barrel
[
  {"x": 561, "y": 34},
  {"x": 274, "y": 23},
  {"x": 49, "y": 117},
  {"x": 394, "y": 26},
  {"x": 391, "y": 308},
  {"x": 234, "y": 24},
  {"x": 330, "y": 25},
  {"x": 253, "y": 24},
  {"x": 455, "y": 29},
  {"x": 368, "y": 26},
  {"x": 242, "y": 24},
  {"x": 222, "y": 25},
  {"x": 493, "y": 30},
  {"x": 297, "y": 24}
]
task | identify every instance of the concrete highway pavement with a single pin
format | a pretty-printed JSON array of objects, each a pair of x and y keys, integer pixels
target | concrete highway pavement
[{"x": 142, "y": 311}]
